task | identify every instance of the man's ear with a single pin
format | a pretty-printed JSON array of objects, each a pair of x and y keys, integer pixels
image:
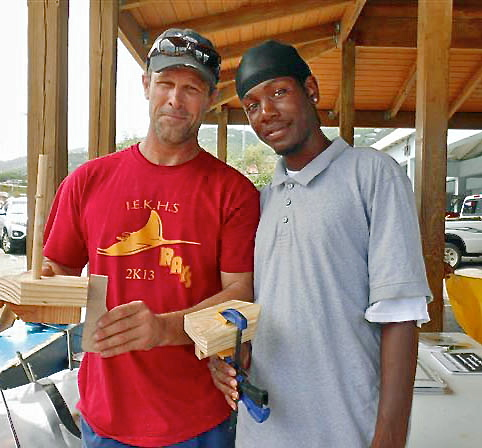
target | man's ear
[
  {"x": 146, "y": 82},
  {"x": 311, "y": 89}
]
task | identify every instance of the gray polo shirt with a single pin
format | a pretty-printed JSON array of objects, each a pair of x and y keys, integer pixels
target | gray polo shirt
[{"x": 339, "y": 235}]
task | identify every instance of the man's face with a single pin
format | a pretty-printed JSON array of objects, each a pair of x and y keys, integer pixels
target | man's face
[
  {"x": 178, "y": 99},
  {"x": 280, "y": 112}
]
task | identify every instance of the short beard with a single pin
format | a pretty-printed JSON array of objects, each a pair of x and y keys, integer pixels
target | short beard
[{"x": 175, "y": 136}]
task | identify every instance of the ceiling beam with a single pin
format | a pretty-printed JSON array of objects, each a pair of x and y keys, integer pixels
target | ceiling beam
[
  {"x": 469, "y": 87},
  {"x": 367, "y": 119},
  {"x": 295, "y": 38},
  {"x": 404, "y": 91},
  {"x": 402, "y": 32},
  {"x": 253, "y": 15},
  {"x": 132, "y": 4},
  {"x": 225, "y": 95},
  {"x": 132, "y": 36},
  {"x": 349, "y": 19},
  {"x": 464, "y": 9}
]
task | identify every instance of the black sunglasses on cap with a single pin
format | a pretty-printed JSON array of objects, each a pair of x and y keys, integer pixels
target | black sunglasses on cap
[{"x": 182, "y": 45}]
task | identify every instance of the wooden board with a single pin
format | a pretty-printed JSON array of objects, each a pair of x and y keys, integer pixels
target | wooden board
[{"x": 210, "y": 331}]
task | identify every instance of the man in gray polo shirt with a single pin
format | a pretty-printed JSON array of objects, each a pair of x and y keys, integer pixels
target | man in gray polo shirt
[{"x": 338, "y": 272}]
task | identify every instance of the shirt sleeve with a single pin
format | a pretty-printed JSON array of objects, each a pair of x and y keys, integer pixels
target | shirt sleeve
[
  {"x": 401, "y": 309},
  {"x": 64, "y": 240},
  {"x": 395, "y": 263}
]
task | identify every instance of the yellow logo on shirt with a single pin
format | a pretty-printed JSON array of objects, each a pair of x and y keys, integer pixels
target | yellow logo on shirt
[{"x": 149, "y": 237}]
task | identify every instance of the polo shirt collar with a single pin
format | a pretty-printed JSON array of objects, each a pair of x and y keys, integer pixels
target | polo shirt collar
[{"x": 315, "y": 167}]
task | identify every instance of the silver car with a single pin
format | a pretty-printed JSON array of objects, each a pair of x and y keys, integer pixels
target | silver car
[{"x": 13, "y": 225}]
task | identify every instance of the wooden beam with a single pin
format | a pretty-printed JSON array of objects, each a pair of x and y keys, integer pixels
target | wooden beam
[
  {"x": 347, "y": 91},
  {"x": 367, "y": 119},
  {"x": 401, "y": 32},
  {"x": 103, "y": 69},
  {"x": 225, "y": 95},
  {"x": 295, "y": 38},
  {"x": 133, "y": 37},
  {"x": 404, "y": 91},
  {"x": 468, "y": 89},
  {"x": 227, "y": 76},
  {"x": 253, "y": 15},
  {"x": 133, "y": 4},
  {"x": 349, "y": 19},
  {"x": 434, "y": 36},
  {"x": 47, "y": 98},
  {"x": 333, "y": 113},
  {"x": 222, "y": 141}
]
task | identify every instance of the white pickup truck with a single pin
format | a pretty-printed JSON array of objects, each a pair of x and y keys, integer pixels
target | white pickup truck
[{"x": 463, "y": 234}]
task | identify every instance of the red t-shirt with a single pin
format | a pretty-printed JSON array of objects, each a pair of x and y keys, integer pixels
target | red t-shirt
[{"x": 162, "y": 235}]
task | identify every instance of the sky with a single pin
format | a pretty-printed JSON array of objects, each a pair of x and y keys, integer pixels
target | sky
[{"x": 132, "y": 108}]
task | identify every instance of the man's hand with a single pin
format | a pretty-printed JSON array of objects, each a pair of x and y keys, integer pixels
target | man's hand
[
  {"x": 128, "y": 327},
  {"x": 224, "y": 379},
  {"x": 223, "y": 374}
]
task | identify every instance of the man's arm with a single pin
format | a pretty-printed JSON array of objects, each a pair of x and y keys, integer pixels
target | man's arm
[
  {"x": 398, "y": 354},
  {"x": 133, "y": 326},
  {"x": 50, "y": 268}
]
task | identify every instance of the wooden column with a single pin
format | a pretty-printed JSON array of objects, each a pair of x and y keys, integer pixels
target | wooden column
[
  {"x": 222, "y": 152},
  {"x": 347, "y": 91},
  {"x": 433, "y": 43},
  {"x": 104, "y": 18},
  {"x": 47, "y": 99}
]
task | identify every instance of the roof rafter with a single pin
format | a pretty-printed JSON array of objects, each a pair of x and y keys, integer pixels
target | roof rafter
[
  {"x": 403, "y": 93},
  {"x": 131, "y": 35},
  {"x": 252, "y": 15},
  {"x": 469, "y": 87},
  {"x": 349, "y": 19},
  {"x": 295, "y": 38}
]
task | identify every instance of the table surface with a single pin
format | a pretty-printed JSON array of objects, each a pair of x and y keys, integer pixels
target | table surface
[{"x": 452, "y": 420}]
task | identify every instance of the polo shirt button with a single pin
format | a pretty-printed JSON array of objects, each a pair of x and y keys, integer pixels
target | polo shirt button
[
  {"x": 285, "y": 220},
  {"x": 288, "y": 202},
  {"x": 290, "y": 186}
]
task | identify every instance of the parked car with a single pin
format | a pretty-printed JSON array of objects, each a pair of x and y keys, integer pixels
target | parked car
[
  {"x": 13, "y": 225},
  {"x": 463, "y": 234}
]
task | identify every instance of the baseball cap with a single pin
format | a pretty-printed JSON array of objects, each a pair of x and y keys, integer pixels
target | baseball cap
[
  {"x": 269, "y": 60},
  {"x": 177, "y": 47}
]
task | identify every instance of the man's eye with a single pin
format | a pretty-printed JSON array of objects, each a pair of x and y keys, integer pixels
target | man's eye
[
  {"x": 251, "y": 107},
  {"x": 279, "y": 92}
]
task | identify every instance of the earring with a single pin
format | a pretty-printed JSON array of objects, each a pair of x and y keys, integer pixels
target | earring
[{"x": 314, "y": 99}]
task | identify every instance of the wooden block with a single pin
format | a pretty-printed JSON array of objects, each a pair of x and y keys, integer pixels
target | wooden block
[
  {"x": 96, "y": 306},
  {"x": 210, "y": 331},
  {"x": 47, "y": 314}
]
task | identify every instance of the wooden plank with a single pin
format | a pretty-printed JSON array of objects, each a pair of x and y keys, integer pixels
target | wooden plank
[
  {"x": 349, "y": 19},
  {"x": 347, "y": 92},
  {"x": 103, "y": 67},
  {"x": 225, "y": 95},
  {"x": 134, "y": 38},
  {"x": 468, "y": 89},
  {"x": 222, "y": 140},
  {"x": 47, "y": 315},
  {"x": 434, "y": 36},
  {"x": 367, "y": 119},
  {"x": 295, "y": 38},
  {"x": 401, "y": 32},
  {"x": 47, "y": 99},
  {"x": 210, "y": 331},
  {"x": 253, "y": 15},
  {"x": 404, "y": 91},
  {"x": 40, "y": 214}
]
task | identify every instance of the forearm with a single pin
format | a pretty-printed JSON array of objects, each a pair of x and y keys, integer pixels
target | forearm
[
  {"x": 58, "y": 269},
  {"x": 173, "y": 323},
  {"x": 398, "y": 355}
]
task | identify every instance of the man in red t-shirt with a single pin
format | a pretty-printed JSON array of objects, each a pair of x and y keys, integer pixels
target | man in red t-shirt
[{"x": 173, "y": 228}]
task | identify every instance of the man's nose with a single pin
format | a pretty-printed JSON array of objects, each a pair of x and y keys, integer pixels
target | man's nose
[
  {"x": 175, "y": 97},
  {"x": 268, "y": 109}
]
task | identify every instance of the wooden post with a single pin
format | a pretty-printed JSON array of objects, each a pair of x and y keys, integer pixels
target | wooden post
[
  {"x": 47, "y": 98},
  {"x": 223, "y": 133},
  {"x": 433, "y": 42},
  {"x": 347, "y": 92},
  {"x": 104, "y": 18}
]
